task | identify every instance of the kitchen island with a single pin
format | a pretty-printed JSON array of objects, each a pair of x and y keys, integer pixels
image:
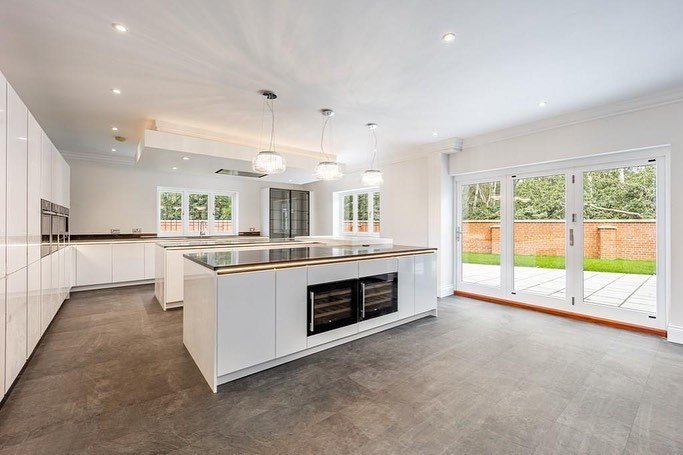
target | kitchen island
[{"x": 249, "y": 310}]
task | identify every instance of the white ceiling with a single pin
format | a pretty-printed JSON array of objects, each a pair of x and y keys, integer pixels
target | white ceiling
[{"x": 201, "y": 64}]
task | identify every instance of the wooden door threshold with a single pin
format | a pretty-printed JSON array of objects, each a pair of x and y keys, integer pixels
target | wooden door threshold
[{"x": 566, "y": 314}]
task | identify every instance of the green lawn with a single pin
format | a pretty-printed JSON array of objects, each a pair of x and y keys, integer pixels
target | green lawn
[{"x": 557, "y": 262}]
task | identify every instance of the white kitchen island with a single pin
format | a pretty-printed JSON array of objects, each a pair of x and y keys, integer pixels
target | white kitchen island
[{"x": 246, "y": 311}]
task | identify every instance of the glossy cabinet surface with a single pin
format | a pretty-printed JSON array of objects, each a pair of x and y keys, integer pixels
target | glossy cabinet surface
[
  {"x": 246, "y": 316},
  {"x": 3, "y": 309},
  {"x": 17, "y": 152},
  {"x": 46, "y": 148},
  {"x": 35, "y": 137},
  {"x": 34, "y": 325},
  {"x": 406, "y": 286},
  {"x": 3, "y": 181},
  {"x": 128, "y": 262},
  {"x": 291, "y": 310},
  {"x": 47, "y": 295},
  {"x": 15, "y": 325},
  {"x": 150, "y": 261},
  {"x": 425, "y": 282},
  {"x": 93, "y": 264}
]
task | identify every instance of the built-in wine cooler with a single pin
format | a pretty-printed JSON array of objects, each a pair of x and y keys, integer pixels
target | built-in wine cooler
[{"x": 342, "y": 303}]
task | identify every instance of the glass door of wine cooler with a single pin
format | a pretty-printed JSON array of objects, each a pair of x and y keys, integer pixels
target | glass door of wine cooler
[
  {"x": 332, "y": 305},
  {"x": 378, "y": 295}
]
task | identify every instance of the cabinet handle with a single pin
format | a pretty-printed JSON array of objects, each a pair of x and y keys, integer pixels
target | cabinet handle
[
  {"x": 571, "y": 237},
  {"x": 311, "y": 325},
  {"x": 362, "y": 301}
]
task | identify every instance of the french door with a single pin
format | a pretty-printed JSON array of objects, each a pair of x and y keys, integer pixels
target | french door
[{"x": 587, "y": 239}]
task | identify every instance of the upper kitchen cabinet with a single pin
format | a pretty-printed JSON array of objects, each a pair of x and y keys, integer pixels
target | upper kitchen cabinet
[
  {"x": 46, "y": 149},
  {"x": 3, "y": 170},
  {"x": 35, "y": 137},
  {"x": 17, "y": 153},
  {"x": 60, "y": 179}
]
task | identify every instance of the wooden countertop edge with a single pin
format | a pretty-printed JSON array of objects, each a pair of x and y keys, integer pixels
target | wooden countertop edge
[{"x": 306, "y": 262}]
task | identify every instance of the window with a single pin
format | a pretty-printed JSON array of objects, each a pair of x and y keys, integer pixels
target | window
[
  {"x": 196, "y": 212},
  {"x": 359, "y": 212}
]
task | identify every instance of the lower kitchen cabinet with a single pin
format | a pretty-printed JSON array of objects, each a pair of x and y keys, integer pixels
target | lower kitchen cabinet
[
  {"x": 46, "y": 293},
  {"x": 406, "y": 286},
  {"x": 245, "y": 297},
  {"x": 54, "y": 266},
  {"x": 3, "y": 386},
  {"x": 128, "y": 262},
  {"x": 425, "y": 277},
  {"x": 150, "y": 252},
  {"x": 93, "y": 264},
  {"x": 290, "y": 316},
  {"x": 34, "y": 324},
  {"x": 15, "y": 325}
]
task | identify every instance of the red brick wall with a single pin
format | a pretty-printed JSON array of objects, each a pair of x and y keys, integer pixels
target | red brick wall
[{"x": 607, "y": 239}]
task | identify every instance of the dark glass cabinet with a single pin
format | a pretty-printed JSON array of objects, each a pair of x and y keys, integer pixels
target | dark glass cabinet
[
  {"x": 378, "y": 295},
  {"x": 288, "y": 213}
]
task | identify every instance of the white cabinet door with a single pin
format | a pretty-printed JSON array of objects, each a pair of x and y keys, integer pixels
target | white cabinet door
[
  {"x": 46, "y": 168},
  {"x": 243, "y": 297},
  {"x": 329, "y": 273},
  {"x": 57, "y": 170},
  {"x": 173, "y": 279},
  {"x": 150, "y": 268},
  {"x": 128, "y": 262},
  {"x": 17, "y": 149},
  {"x": 3, "y": 188},
  {"x": 33, "y": 310},
  {"x": 2, "y": 334},
  {"x": 66, "y": 184},
  {"x": 406, "y": 286},
  {"x": 35, "y": 136},
  {"x": 291, "y": 315},
  {"x": 15, "y": 333},
  {"x": 93, "y": 264},
  {"x": 62, "y": 275},
  {"x": 372, "y": 267},
  {"x": 425, "y": 282},
  {"x": 46, "y": 293},
  {"x": 54, "y": 275}
]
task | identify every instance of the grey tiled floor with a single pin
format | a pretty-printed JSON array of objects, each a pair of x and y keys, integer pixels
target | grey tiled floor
[
  {"x": 625, "y": 290},
  {"x": 112, "y": 376}
]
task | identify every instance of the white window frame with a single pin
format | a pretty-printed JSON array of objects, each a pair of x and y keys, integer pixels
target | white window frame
[
  {"x": 210, "y": 231},
  {"x": 339, "y": 213}
]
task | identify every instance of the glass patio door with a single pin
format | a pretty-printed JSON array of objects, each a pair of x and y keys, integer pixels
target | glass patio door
[{"x": 618, "y": 248}]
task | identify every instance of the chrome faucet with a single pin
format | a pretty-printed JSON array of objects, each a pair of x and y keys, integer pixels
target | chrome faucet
[{"x": 202, "y": 228}]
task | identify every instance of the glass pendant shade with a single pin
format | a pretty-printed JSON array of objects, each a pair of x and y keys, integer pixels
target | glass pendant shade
[
  {"x": 372, "y": 177},
  {"x": 269, "y": 162},
  {"x": 328, "y": 170}
]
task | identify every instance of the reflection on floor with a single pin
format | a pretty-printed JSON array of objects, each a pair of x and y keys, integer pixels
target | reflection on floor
[
  {"x": 630, "y": 291},
  {"x": 112, "y": 376}
]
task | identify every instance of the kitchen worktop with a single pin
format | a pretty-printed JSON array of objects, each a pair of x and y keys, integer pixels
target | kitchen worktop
[
  {"x": 181, "y": 240},
  {"x": 232, "y": 242},
  {"x": 235, "y": 260}
]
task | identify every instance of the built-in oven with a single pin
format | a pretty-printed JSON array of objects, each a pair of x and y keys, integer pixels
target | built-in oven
[
  {"x": 332, "y": 305},
  {"x": 378, "y": 296},
  {"x": 45, "y": 227}
]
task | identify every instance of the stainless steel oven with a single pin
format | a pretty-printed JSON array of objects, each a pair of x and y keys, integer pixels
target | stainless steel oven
[{"x": 45, "y": 227}]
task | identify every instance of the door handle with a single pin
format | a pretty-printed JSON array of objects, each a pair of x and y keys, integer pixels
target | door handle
[
  {"x": 311, "y": 325},
  {"x": 571, "y": 237},
  {"x": 362, "y": 301}
]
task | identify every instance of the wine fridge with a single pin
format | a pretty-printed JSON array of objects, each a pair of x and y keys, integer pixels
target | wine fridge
[{"x": 338, "y": 304}]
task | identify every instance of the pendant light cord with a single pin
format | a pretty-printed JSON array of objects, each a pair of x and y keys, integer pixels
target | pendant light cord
[
  {"x": 374, "y": 148},
  {"x": 322, "y": 137},
  {"x": 272, "y": 125}
]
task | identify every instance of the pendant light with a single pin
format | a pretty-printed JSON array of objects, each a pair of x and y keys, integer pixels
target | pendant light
[
  {"x": 372, "y": 177},
  {"x": 269, "y": 161},
  {"x": 327, "y": 169}
]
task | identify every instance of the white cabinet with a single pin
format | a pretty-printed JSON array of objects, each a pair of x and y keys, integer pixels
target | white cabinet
[
  {"x": 93, "y": 264},
  {"x": 425, "y": 282},
  {"x": 3, "y": 189},
  {"x": 46, "y": 293},
  {"x": 54, "y": 275},
  {"x": 60, "y": 186},
  {"x": 17, "y": 149},
  {"x": 34, "y": 325},
  {"x": 128, "y": 262},
  {"x": 332, "y": 272},
  {"x": 243, "y": 297},
  {"x": 35, "y": 136},
  {"x": 150, "y": 262},
  {"x": 2, "y": 336},
  {"x": 377, "y": 267},
  {"x": 15, "y": 325},
  {"x": 46, "y": 168},
  {"x": 66, "y": 184},
  {"x": 406, "y": 286},
  {"x": 291, "y": 313}
]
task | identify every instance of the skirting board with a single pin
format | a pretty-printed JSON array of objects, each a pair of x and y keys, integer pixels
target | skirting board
[
  {"x": 566, "y": 314},
  {"x": 110, "y": 285},
  {"x": 297, "y": 355},
  {"x": 446, "y": 290},
  {"x": 675, "y": 334}
]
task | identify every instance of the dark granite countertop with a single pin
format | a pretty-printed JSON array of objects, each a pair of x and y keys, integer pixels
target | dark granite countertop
[{"x": 264, "y": 259}]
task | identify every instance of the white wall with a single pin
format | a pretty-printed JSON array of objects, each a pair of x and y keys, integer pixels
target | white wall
[
  {"x": 124, "y": 197},
  {"x": 636, "y": 129}
]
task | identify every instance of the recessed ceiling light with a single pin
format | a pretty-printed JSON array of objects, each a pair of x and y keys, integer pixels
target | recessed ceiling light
[
  {"x": 120, "y": 27},
  {"x": 113, "y": 128},
  {"x": 113, "y": 150},
  {"x": 449, "y": 37},
  {"x": 290, "y": 180},
  {"x": 435, "y": 133},
  {"x": 116, "y": 91},
  {"x": 174, "y": 168},
  {"x": 542, "y": 103},
  {"x": 186, "y": 158}
]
